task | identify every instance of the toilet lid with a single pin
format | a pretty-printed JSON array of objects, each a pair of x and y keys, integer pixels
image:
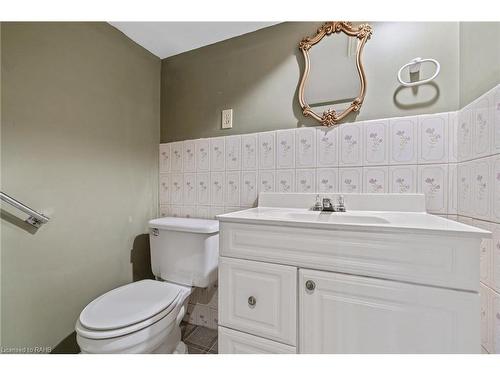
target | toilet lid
[{"x": 129, "y": 304}]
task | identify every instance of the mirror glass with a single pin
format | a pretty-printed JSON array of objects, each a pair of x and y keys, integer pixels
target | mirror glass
[{"x": 333, "y": 79}]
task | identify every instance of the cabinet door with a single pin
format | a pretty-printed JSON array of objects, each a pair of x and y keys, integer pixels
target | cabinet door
[
  {"x": 341, "y": 313},
  {"x": 235, "y": 342},
  {"x": 258, "y": 298}
]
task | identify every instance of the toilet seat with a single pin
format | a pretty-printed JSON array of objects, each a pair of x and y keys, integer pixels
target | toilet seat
[{"x": 130, "y": 308}]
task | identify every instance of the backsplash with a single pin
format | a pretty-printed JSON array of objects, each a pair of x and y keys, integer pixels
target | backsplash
[
  {"x": 206, "y": 177},
  {"x": 453, "y": 158},
  {"x": 478, "y": 183}
]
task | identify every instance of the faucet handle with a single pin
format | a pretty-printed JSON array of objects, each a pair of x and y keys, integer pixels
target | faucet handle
[
  {"x": 317, "y": 206},
  {"x": 341, "y": 205}
]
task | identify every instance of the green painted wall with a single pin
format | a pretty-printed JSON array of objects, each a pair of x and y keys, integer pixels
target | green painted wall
[
  {"x": 257, "y": 75},
  {"x": 479, "y": 59},
  {"x": 79, "y": 138}
]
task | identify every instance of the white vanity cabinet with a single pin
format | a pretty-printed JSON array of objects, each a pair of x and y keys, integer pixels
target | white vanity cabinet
[
  {"x": 341, "y": 313},
  {"x": 404, "y": 283}
]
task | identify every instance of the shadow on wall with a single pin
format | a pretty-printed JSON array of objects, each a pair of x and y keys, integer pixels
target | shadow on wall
[
  {"x": 433, "y": 97},
  {"x": 140, "y": 257}
]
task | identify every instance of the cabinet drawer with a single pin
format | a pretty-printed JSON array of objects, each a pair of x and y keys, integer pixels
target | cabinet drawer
[
  {"x": 235, "y": 342},
  {"x": 258, "y": 298}
]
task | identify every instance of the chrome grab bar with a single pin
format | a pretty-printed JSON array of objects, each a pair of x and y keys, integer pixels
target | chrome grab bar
[{"x": 35, "y": 218}]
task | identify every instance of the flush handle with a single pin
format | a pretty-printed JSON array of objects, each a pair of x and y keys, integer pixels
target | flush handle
[
  {"x": 310, "y": 285},
  {"x": 252, "y": 301}
]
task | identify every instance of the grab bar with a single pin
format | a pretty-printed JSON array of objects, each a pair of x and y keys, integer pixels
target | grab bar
[{"x": 35, "y": 218}]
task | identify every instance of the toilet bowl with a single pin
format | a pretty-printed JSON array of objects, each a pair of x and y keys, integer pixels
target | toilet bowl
[{"x": 144, "y": 316}]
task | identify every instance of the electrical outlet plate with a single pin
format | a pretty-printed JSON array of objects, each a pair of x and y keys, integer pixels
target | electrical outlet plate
[{"x": 227, "y": 119}]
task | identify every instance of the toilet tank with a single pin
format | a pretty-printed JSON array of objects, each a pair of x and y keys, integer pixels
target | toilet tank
[{"x": 184, "y": 250}]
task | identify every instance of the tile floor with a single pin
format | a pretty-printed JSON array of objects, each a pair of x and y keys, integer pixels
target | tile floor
[{"x": 199, "y": 340}]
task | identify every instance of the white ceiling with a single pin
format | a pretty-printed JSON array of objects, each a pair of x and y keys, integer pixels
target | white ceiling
[{"x": 166, "y": 39}]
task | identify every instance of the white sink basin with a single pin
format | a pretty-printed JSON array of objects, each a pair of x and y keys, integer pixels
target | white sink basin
[{"x": 325, "y": 217}]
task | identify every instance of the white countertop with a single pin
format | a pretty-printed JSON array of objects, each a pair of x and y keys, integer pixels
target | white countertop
[{"x": 356, "y": 220}]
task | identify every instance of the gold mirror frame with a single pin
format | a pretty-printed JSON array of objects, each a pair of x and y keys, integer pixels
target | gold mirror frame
[{"x": 362, "y": 32}]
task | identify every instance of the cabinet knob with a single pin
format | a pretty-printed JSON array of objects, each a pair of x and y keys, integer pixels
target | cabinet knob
[
  {"x": 310, "y": 285},
  {"x": 252, "y": 301}
]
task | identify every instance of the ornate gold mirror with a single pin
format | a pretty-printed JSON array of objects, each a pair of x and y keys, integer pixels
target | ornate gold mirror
[{"x": 338, "y": 75}]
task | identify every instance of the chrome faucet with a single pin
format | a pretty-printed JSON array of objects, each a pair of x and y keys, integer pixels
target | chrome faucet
[{"x": 327, "y": 206}]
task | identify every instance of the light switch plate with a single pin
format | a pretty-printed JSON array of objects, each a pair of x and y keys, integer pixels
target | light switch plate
[{"x": 227, "y": 119}]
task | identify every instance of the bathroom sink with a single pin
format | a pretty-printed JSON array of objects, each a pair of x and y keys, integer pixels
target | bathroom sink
[
  {"x": 326, "y": 217},
  {"x": 365, "y": 212}
]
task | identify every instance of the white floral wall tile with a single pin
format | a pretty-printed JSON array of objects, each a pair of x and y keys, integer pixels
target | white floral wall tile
[
  {"x": 452, "y": 188},
  {"x": 213, "y": 321},
  {"x": 327, "y": 180},
  {"x": 495, "y": 317},
  {"x": 232, "y": 189},
  {"x": 188, "y": 211},
  {"x": 249, "y": 152},
  {"x": 464, "y": 189},
  {"x": 248, "y": 188},
  {"x": 164, "y": 188},
  {"x": 350, "y": 180},
  {"x": 403, "y": 179},
  {"x": 375, "y": 180},
  {"x": 188, "y": 156},
  {"x": 233, "y": 153},
  {"x": 482, "y": 124},
  {"x": 305, "y": 180},
  {"x": 267, "y": 150},
  {"x": 285, "y": 181},
  {"x": 216, "y": 210},
  {"x": 203, "y": 212},
  {"x": 267, "y": 181},
  {"x": 403, "y": 137},
  {"x": 165, "y": 210},
  {"x": 327, "y": 143},
  {"x": 305, "y": 147},
  {"x": 433, "y": 138},
  {"x": 229, "y": 209},
  {"x": 176, "y": 156},
  {"x": 495, "y": 187},
  {"x": 486, "y": 311},
  {"x": 485, "y": 253},
  {"x": 465, "y": 220},
  {"x": 481, "y": 181},
  {"x": 433, "y": 182},
  {"x": 285, "y": 149},
  {"x": 495, "y": 108},
  {"x": 189, "y": 188},
  {"x": 177, "y": 188},
  {"x": 202, "y": 155},
  {"x": 200, "y": 315},
  {"x": 464, "y": 141},
  {"x": 176, "y": 211},
  {"x": 164, "y": 158},
  {"x": 376, "y": 145},
  {"x": 217, "y": 188},
  {"x": 203, "y": 188},
  {"x": 217, "y": 154},
  {"x": 452, "y": 137},
  {"x": 351, "y": 144},
  {"x": 495, "y": 260}
]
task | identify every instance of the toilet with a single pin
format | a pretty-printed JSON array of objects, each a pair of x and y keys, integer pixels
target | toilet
[{"x": 144, "y": 316}]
